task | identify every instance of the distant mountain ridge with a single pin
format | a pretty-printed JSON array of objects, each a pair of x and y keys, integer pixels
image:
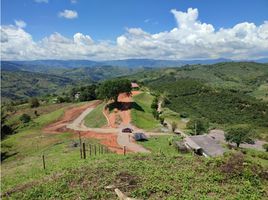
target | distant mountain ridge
[{"x": 43, "y": 65}]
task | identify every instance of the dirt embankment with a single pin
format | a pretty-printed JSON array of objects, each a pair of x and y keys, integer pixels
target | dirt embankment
[
  {"x": 107, "y": 139},
  {"x": 121, "y": 117}
]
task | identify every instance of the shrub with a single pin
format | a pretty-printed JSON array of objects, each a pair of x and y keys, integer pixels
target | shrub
[
  {"x": 234, "y": 165},
  {"x": 197, "y": 126},
  {"x": 155, "y": 114},
  {"x": 184, "y": 115},
  {"x": 265, "y": 146},
  {"x": 34, "y": 102},
  {"x": 162, "y": 119},
  {"x": 25, "y": 118},
  {"x": 174, "y": 126}
]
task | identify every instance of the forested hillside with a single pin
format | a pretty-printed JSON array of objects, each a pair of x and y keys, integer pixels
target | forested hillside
[
  {"x": 21, "y": 84},
  {"x": 223, "y": 94},
  {"x": 247, "y": 77},
  {"x": 21, "y": 81}
]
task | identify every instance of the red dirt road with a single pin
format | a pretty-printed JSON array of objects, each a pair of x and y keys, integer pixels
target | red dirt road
[{"x": 107, "y": 139}]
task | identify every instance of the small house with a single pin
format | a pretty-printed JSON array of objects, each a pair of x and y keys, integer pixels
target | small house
[
  {"x": 204, "y": 145},
  {"x": 135, "y": 86}
]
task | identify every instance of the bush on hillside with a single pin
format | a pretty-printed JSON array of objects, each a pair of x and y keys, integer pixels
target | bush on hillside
[
  {"x": 197, "y": 126},
  {"x": 34, "y": 103},
  {"x": 174, "y": 126},
  {"x": 265, "y": 146},
  {"x": 25, "y": 118}
]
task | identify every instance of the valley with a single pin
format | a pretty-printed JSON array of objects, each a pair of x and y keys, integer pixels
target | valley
[{"x": 167, "y": 99}]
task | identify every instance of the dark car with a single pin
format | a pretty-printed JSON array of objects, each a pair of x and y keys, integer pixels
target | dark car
[{"x": 127, "y": 130}]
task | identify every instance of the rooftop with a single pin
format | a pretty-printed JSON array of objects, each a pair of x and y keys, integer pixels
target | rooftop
[
  {"x": 134, "y": 85},
  {"x": 210, "y": 146}
]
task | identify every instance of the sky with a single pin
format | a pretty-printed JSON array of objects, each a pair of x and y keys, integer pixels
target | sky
[{"x": 122, "y": 29}]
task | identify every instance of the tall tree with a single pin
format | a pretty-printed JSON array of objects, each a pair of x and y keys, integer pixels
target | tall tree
[
  {"x": 239, "y": 134},
  {"x": 112, "y": 88},
  {"x": 197, "y": 126}
]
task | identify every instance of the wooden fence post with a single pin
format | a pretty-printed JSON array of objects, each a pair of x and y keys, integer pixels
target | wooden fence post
[
  {"x": 44, "y": 163},
  {"x": 80, "y": 142},
  {"x": 84, "y": 150},
  {"x": 124, "y": 149},
  {"x": 90, "y": 149},
  {"x": 95, "y": 150}
]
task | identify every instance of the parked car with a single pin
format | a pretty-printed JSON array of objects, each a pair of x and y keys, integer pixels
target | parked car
[
  {"x": 140, "y": 137},
  {"x": 127, "y": 130}
]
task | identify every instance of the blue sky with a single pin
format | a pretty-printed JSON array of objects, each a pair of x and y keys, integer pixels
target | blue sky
[{"x": 107, "y": 20}]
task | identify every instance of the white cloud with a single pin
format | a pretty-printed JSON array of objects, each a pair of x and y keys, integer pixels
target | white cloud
[
  {"x": 68, "y": 14},
  {"x": 81, "y": 39},
  {"x": 41, "y": 1},
  {"x": 20, "y": 23},
  {"x": 73, "y": 1},
  {"x": 190, "y": 39}
]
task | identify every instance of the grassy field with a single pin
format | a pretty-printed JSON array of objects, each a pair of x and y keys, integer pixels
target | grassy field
[
  {"x": 141, "y": 112},
  {"x": 163, "y": 174},
  {"x": 21, "y": 152},
  {"x": 160, "y": 144},
  {"x": 157, "y": 176},
  {"x": 171, "y": 116},
  {"x": 96, "y": 119}
]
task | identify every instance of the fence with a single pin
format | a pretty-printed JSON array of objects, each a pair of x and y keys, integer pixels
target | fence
[{"x": 86, "y": 149}]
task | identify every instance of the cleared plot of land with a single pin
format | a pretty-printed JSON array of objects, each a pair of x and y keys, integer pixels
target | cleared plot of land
[
  {"x": 96, "y": 119},
  {"x": 141, "y": 112}
]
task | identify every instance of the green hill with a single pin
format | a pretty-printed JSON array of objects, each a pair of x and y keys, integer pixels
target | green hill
[
  {"x": 246, "y": 77},
  {"x": 23, "y": 84}
]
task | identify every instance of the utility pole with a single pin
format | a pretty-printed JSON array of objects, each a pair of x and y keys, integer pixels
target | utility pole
[{"x": 195, "y": 128}]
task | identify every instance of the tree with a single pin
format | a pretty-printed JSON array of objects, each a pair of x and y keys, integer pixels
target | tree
[
  {"x": 265, "y": 146},
  {"x": 87, "y": 93},
  {"x": 112, "y": 88},
  {"x": 34, "y": 103},
  {"x": 25, "y": 118},
  {"x": 197, "y": 126},
  {"x": 5, "y": 129},
  {"x": 239, "y": 134},
  {"x": 162, "y": 119},
  {"x": 174, "y": 126}
]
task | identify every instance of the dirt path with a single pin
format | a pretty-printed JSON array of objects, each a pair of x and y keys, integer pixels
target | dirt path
[
  {"x": 125, "y": 139},
  {"x": 72, "y": 121},
  {"x": 110, "y": 136}
]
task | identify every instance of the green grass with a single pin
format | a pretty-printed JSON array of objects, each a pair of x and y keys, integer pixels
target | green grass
[
  {"x": 160, "y": 144},
  {"x": 22, "y": 151},
  {"x": 141, "y": 112},
  {"x": 261, "y": 92},
  {"x": 148, "y": 177},
  {"x": 96, "y": 119},
  {"x": 171, "y": 116}
]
